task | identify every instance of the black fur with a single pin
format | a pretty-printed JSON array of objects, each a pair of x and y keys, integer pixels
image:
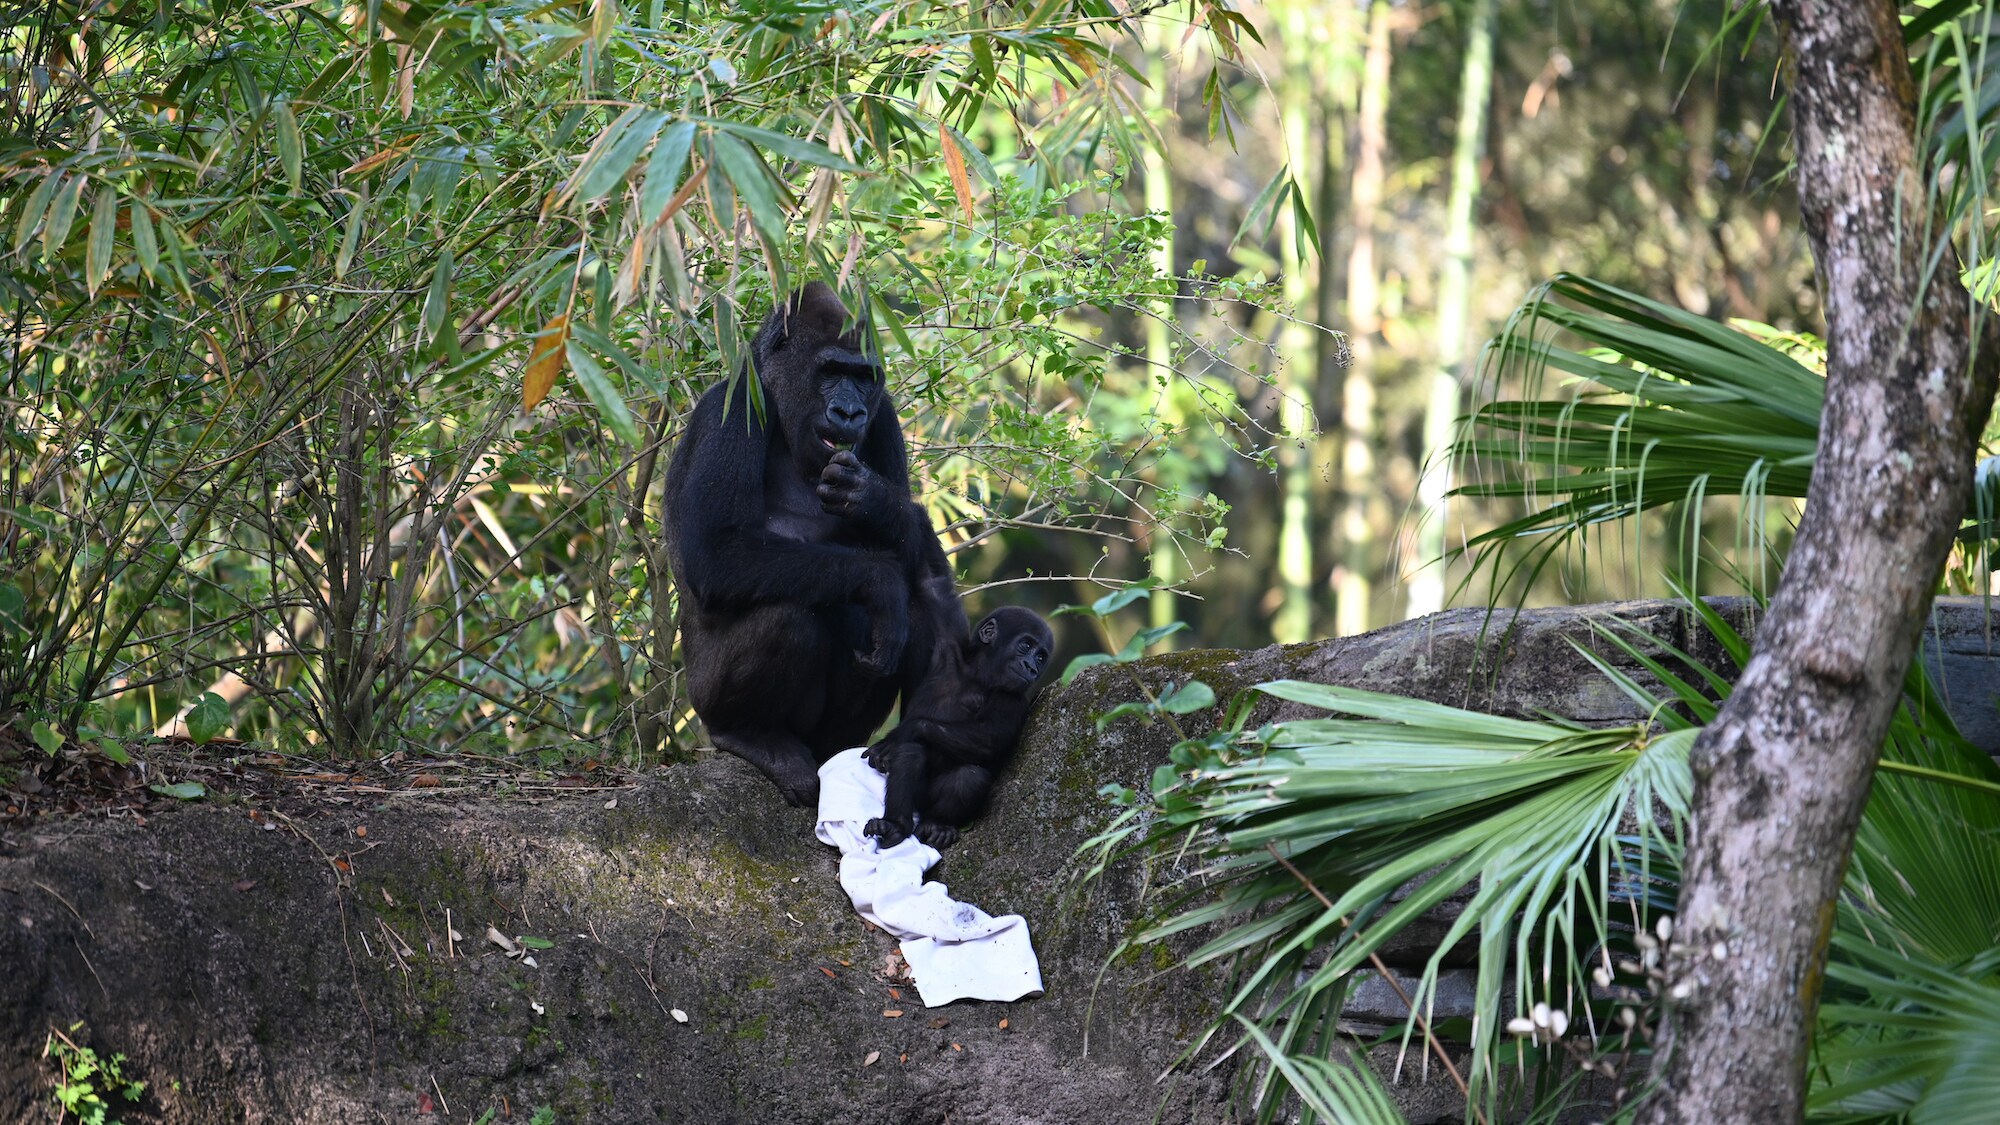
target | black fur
[
  {"x": 812, "y": 587},
  {"x": 960, "y": 729}
]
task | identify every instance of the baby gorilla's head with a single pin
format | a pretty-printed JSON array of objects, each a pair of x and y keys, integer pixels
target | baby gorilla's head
[{"x": 1011, "y": 648}]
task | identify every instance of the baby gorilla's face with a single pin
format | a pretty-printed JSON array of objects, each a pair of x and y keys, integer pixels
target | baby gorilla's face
[{"x": 1014, "y": 646}]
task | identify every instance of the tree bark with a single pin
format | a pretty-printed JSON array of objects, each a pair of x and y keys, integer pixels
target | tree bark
[{"x": 1782, "y": 775}]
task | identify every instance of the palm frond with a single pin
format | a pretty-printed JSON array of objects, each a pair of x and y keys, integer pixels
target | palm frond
[
  {"x": 1655, "y": 406},
  {"x": 1391, "y": 809}
]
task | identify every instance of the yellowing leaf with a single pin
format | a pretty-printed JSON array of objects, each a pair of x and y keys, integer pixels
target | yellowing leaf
[
  {"x": 954, "y": 163},
  {"x": 545, "y": 362},
  {"x": 373, "y": 161},
  {"x": 1078, "y": 53}
]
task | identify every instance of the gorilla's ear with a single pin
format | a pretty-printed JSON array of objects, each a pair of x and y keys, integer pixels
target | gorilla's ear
[{"x": 988, "y": 629}]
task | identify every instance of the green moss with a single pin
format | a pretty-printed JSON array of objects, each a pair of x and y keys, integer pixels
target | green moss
[
  {"x": 759, "y": 984},
  {"x": 756, "y": 1029}
]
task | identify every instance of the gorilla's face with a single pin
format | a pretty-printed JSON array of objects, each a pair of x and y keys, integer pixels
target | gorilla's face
[{"x": 1015, "y": 644}]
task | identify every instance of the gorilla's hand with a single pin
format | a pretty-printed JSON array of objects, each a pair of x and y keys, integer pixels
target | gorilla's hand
[
  {"x": 939, "y": 836},
  {"x": 879, "y": 756},
  {"x": 853, "y": 491}
]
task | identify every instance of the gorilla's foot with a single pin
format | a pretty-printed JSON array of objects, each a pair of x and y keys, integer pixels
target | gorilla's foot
[
  {"x": 887, "y": 832},
  {"x": 783, "y": 759}
]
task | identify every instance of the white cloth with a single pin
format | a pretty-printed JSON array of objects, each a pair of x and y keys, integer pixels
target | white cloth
[{"x": 956, "y": 951}]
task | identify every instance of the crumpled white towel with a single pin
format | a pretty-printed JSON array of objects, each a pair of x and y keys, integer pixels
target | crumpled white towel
[{"x": 956, "y": 951}]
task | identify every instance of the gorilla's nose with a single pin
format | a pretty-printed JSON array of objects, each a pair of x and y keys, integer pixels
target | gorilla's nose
[{"x": 848, "y": 416}]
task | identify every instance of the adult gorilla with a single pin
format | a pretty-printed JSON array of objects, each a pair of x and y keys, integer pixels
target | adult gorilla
[{"x": 812, "y": 588}]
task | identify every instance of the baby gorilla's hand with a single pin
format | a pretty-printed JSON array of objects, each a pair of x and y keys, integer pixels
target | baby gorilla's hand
[{"x": 939, "y": 836}]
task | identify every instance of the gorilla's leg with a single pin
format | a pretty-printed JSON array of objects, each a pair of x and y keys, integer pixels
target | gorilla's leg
[
  {"x": 905, "y": 764},
  {"x": 951, "y": 801},
  {"x": 759, "y": 683}
]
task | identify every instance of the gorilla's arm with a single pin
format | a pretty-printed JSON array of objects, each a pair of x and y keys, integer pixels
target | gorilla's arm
[{"x": 726, "y": 555}]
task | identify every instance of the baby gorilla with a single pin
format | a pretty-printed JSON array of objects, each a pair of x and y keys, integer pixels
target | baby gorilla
[{"x": 959, "y": 730}]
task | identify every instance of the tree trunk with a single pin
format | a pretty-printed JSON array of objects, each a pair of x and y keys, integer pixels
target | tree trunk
[
  {"x": 1297, "y": 358},
  {"x": 1782, "y": 774},
  {"x": 1355, "y": 563},
  {"x": 1475, "y": 89},
  {"x": 1164, "y": 606}
]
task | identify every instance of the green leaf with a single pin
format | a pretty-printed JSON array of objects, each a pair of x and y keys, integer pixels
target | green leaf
[
  {"x": 1129, "y": 707},
  {"x": 113, "y": 750},
  {"x": 615, "y": 152},
  {"x": 103, "y": 228},
  {"x": 791, "y": 148},
  {"x": 606, "y": 396},
  {"x": 47, "y": 737},
  {"x": 1087, "y": 660},
  {"x": 34, "y": 208},
  {"x": 208, "y": 718},
  {"x": 185, "y": 790},
  {"x": 1188, "y": 698},
  {"x": 663, "y": 172},
  {"x": 752, "y": 180},
  {"x": 144, "y": 243},
  {"x": 350, "y": 236},
  {"x": 535, "y": 942},
  {"x": 62, "y": 213},
  {"x": 438, "y": 300},
  {"x": 291, "y": 144},
  {"x": 1147, "y": 638}
]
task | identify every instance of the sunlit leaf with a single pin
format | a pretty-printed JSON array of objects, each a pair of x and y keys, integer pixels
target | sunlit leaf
[
  {"x": 954, "y": 163},
  {"x": 545, "y": 361}
]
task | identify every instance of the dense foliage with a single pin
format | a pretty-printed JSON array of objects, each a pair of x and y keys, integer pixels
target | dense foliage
[{"x": 347, "y": 338}]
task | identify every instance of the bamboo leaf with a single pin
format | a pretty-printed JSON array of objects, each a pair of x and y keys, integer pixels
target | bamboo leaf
[
  {"x": 545, "y": 361},
  {"x": 753, "y": 181},
  {"x": 33, "y": 210},
  {"x": 438, "y": 298},
  {"x": 954, "y": 163},
  {"x": 103, "y": 229},
  {"x": 62, "y": 213},
  {"x": 144, "y": 243},
  {"x": 663, "y": 172},
  {"x": 617, "y": 149},
  {"x": 791, "y": 148},
  {"x": 350, "y": 235},
  {"x": 598, "y": 386},
  {"x": 291, "y": 145}
]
